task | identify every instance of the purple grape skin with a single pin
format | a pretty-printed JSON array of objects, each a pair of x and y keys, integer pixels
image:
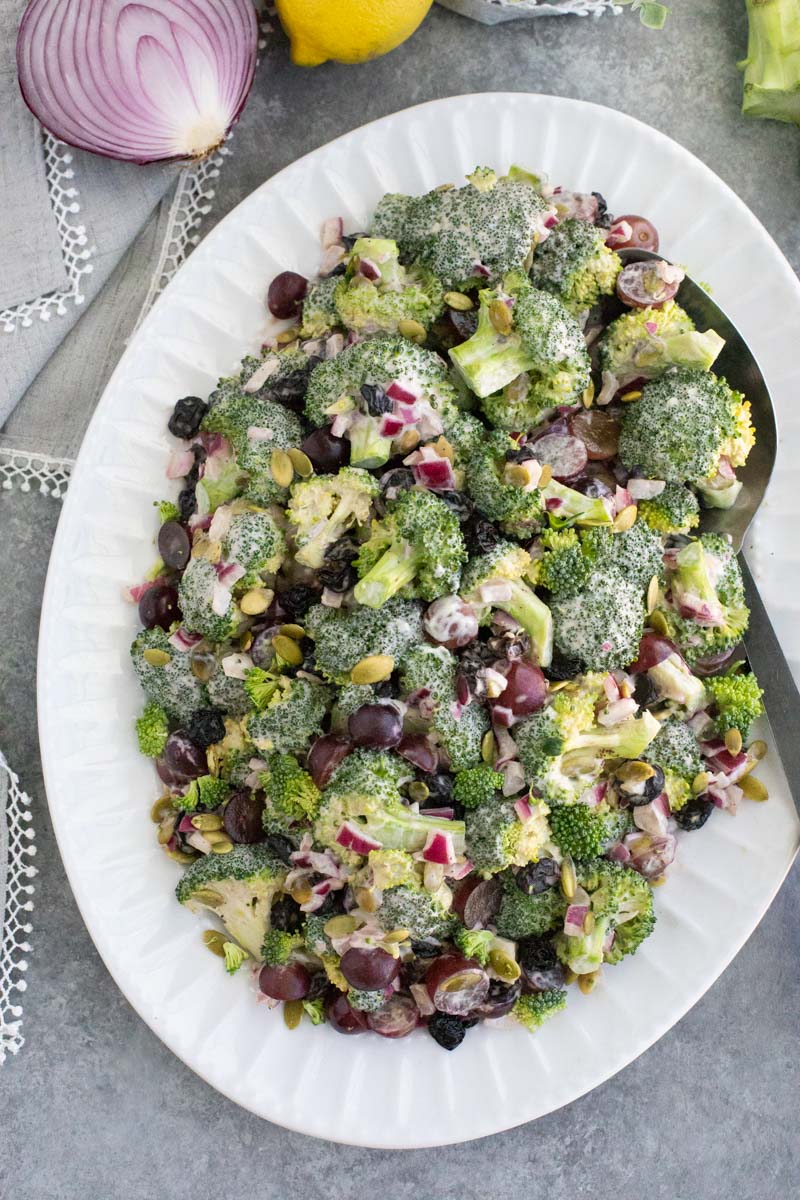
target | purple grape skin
[
  {"x": 376, "y": 726},
  {"x": 159, "y": 606},
  {"x": 174, "y": 545}
]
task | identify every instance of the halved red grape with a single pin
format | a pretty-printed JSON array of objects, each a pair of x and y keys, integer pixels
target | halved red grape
[
  {"x": 482, "y": 903},
  {"x": 599, "y": 432},
  {"x": 566, "y": 454},
  {"x": 159, "y": 606},
  {"x": 653, "y": 649},
  {"x": 462, "y": 893},
  {"x": 456, "y": 985},
  {"x": 641, "y": 285},
  {"x": 290, "y": 982},
  {"x": 643, "y": 234},
  {"x": 174, "y": 545},
  {"x": 416, "y": 748},
  {"x": 342, "y": 1017},
  {"x": 183, "y": 757},
  {"x": 398, "y": 1017},
  {"x": 526, "y": 688},
  {"x": 242, "y": 817},
  {"x": 376, "y": 726},
  {"x": 451, "y": 622},
  {"x": 325, "y": 755},
  {"x": 369, "y": 970},
  {"x": 286, "y": 294},
  {"x": 500, "y": 1000},
  {"x": 327, "y": 453}
]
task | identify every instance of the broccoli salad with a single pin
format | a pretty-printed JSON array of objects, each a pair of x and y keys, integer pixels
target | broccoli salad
[{"x": 438, "y": 666}]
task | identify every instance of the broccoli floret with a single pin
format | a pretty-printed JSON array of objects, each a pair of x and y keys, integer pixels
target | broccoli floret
[
  {"x": 643, "y": 342},
  {"x": 323, "y": 508},
  {"x": 675, "y": 510},
  {"x": 563, "y": 568},
  {"x": 152, "y": 731},
  {"x": 206, "y": 793},
  {"x": 675, "y": 749},
  {"x": 737, "y": 702},
  {"x": 239, "y": 887},
  {"x": 576, "y": 265},
  {"x": 315, "y": 1010},
  {"x": 168, "y": 682},
  {"x": 522, "y": 915},
  {"x": 601, "y": 626},
  {"x": 255, "y": 542},
  {"x": 584, "y": 832},
  {"x": 167, "y": 511},
  {"x": 342, "y": 637},
  {"x": 534, "y": 1008},
  {"x": 228, "y": 694},
  {"x": 366, "y": 1000},
  {"x": 424, "y": 914},
  {"x": 681, "y": 426},
  {"x": 378, "y": 305},
  {"x": 464, "y": 234},
  {"x": 207, "y": 605},
  {"x": 392, "y": 868},
  {"x": 292, "y": 717},
  {"x": 562, "y": 760},
  {"x": 519, "y": 511},
  {"x": 477, "y": 785},
  {"x": 355, "y": 384},
  {"x": 503, "y": 567},
  {"x": 417, "y": 547},
  {"x": 521, "y": 329},
  {"x": 363, "y": 795},
  {"x": 290, "y": 793},
  {"x": 279, "y": 946},
  {"x": 461, "y": 736},
  {"x": 635, "y": 555},
  {"x": 706, "y": 613},
  {"x": 234, "y": 956},
  {"x": 497, "y": 838},
  {"x": 621, "y": 903},
  {"x": 319, "y": 309},
  {"x": 315, "y": 938},
  {"x": 430, "y": 670},
  {"x": 474, "y": 943}
]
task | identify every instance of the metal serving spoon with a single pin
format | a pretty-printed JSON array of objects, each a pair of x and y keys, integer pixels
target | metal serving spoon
[{"x": 738, "y": 365}]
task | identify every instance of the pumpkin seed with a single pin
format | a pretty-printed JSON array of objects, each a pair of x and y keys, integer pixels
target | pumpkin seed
[
  {"x": 458, "y": 301},
  {"x": 500, "y": 317},
  {"x": 246, "y": 641},
  {"x": 658, "y": 622},
  {"x": 588, "y": 395},
  {"x": 516, "y": 475},
  {"x": 254, "y": 602},
  {"x": 281, "y": 468},
  {"x": 295, "y": 632},
  {"x": 444, "y": 449},
  {"x": 587, "y": 983},
  {"x": 545, "y": 476},
  {"x": 223, "y": 846},
  {"x": 504, "y": 965},
  {"x": 212, "y": 761},
  {"x": 288, "y": 335},
  {"x": 166, "y": 830},
  {"x": 625, "y": 519},
  {"x": 207, "y": 822},
  {"x": 179, "y": 856},
  {"x": 366, "y": 899},
  {"x": 757, "y": 749},
  {"x": 339, "y": 926},
  {"x": 753, "y": 788},
  {"x": 626, "y": 397},
  {"x": 625, "y": 690},
  {"x": 568, "y": 880},
  {"x": 733, "y": 742},
  {"x": 203, "y": 664},
  {"x": 205, "y": 547},
  {"x": 287, "y": 649},
  {"x": 635, "y": 771},
  {"x": 215, "y": 941},
  {"x": 396, "y": 936},
  {"x": 652, "y": 593},
  {"x": 208, "y": 897},
  {"x": 411, "y": 329},
  {"x": 418, "y": 791},
  {"x": 444, "y": 187},
  {"x": 372, "y": 669},
  {"x": 156, "y": 657},
  {"x": 407, "y": 441},
  {"x": 301, "y": 463},
  {"x": 488, "y": 747},
  {"x": 301, "y": 891},
  {"x": 160, "y": 809},
  {"x": 700, "y": 782},
  {"x": 588, "y": 922},
  {"x": 292, "y": 1013}
]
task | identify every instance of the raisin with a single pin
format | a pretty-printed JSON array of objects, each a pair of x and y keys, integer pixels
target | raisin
[
  {"x": 187, "y": 417},
  {"x": 448, "y": 1031},
  {"x": 206, "y": 726}
]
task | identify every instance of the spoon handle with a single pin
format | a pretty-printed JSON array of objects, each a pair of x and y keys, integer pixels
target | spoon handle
[{"x": 781, "y": 697}]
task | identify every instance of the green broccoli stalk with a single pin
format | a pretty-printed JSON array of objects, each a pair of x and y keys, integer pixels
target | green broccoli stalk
[
  {"x": 290, "y": 794},
  {"x": 474, "y": 943},
  {"x": 521, "y": 329},
  {"x": 644, "y": 342},
  {"x": 737, "y": 702},
  {"x": 585, "y": 832},
  {"x": 206, "y": 793},
  {"x": 239, "y": 887},
  {"x": 772, "y": 66},
  {"x": 152, "y": 731},
  {"x": 575, "y": 264},
  {"x": 522, "y": 915},
  {"x": 495, "y": 580},
  {"x": 342, "y": 636},
  {"x": 566, "y": 506},
  {"x": 378, "y": 294},
  {"x": 704, "y": 604},
  {"x": 417, "y": 546},
  {"x": 534, "y": 1008},
  {"x": 323, "y": 508},
  {"x": 497, "y": 838},
  {"x": 279, "y": 946},
  {"x": 621, "y": 902},
  {"x": 234, "y": 956},
  {"x": 675, "y": 510},
  {"x": 675, "y": 682},
  {"x": 477, "y": 785}
]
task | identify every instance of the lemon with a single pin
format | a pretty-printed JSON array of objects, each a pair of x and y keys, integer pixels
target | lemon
[{"x": 348, "y": 31}]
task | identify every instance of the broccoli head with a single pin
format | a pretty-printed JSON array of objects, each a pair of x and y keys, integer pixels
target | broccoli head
[
  {"x": 391, "y": 869},
  {"x": 521, "y": 329},
  {"x": 417, "y": 548},
  {"x": 168, "y": 681},
  {"x": 207, "y": 792},
  {"x": 675, "y": 750},
  {"x": 429, "y": 673},
  {"x": 319, "y": 309},
  {"x": 736, "y": 702},
  {"x": 523, "y": 914},
  {"x": 703, "y": 604},
  {"x": 207, "y": 605},
  {"x": 461, "y": 736},
  {"x": 576, "y": 265},
  {"x": 495, "y": 580},
  {"x": 342, "y": 636},
  {"x": 621, "y": 902},
  {"x": 279, "y": 946},
  {"x": 152, "y": 731},
  {"x": 239, "y": 887},
  {"x": 518, "y": 510},
  {"x": 423, "y": 913},
  {"x": 583, "y": 831},
  {"x": 291, "y": 718},
  {"x": 255, "y": 542},
  {"x": 474, "y": 943},
  {"x": 674, "y": 510},
  {"x": 323, "y": 508},
  {"x": 497, "y": 838},
  {"x": 643, "y": 342},
  {"x": 377, "y": 293},
  {"x": 601, "y": 626},
  {"x": 477, "y": 785},
  {"x": 290, "y": 794},
  {"x": 636, "y": 554},
  {"x": 534, "y": 1008}
]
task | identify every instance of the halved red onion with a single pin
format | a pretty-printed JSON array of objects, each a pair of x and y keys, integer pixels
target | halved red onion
[
  {"x": 138, "y": 81},
  {"x": 459, "y": 870},
  {"x": 352, "y": 837}
]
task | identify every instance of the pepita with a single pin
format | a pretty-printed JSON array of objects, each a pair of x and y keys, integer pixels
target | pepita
[
  {"x": 545, "y": 476},
  {"x": 588, "y": 395},
  {"x": 208, "y": 897},
  {"x": 254, "y": 602},
  {"x": 281, "y": 468},
  {"x": 246, "y": 640},
  {"x": 288, "y": 335},
  {"x": 733, "y": 741},
  {"x": 412, "y": 330},
  {"x": 700, "y": 782},
  {"x": 500, "y": 317},
  {"x": 287, "y": 649},
  {"x": 757, "y": 749},
  {"x": 366, "y": 899},
  {"x": 301, "y": 891},
  {"x": 658, "y": 622},
  {"x": 504, "y": 966},
  {"x": 488, "y": 747},
  {"x": 295, "y": 632},
  {"x": 635, "y": 771},
  {"x": 207, "y": 548},
  {"x": 372, "y": 669},
  {"x": 587, "y": 983},
  {"x": 433, "y": 876},
  {"x": 292, "y": 1013},
  {"x": 203, "y": 664},
  {"x": 215, "y": 836},
  {"x": 215, "y": 940},
  {"x": 444, "y": 449},
  {"x": 753, "y": 788},
  {"x": 516, "y": 475},
  {"x": 458, "y": 301},
  {"x": 156, "y": 657},
  {"x": 659, "y": 881},
  {"x": 223, "y": 846},
  {"x": 407, "y": 441},
  {"x": 301, "y": 463},
  {"x": 626, "y": 397},
  {"x": 588, "y": 922},
  {"x": 625, "y": 519},
  {"x": 160, "y": 809},
  {"x": 166, "y": 830},
  {"x": 212, "y": 760},
  {"x": 396, "y": 936},
  {"x": 652, "y": 593},
  {"x": 207, "y": 822},
  {"x": 180, "y": 856},
  {"x": 339, "y": 926},
  {"x": 625, "y": 690},
  {"x": 418, "y": 791},
  {"x": 568, "y": 880}
]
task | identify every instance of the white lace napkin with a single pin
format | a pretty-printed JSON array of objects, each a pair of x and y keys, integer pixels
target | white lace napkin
[
  {"x": 493, "y": 12},
  {"x": 17, "y": 847}
]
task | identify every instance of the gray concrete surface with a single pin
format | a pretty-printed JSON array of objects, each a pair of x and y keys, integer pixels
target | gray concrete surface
[{"x": 95, "y": 1108}]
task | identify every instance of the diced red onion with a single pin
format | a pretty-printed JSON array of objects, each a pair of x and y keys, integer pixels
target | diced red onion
[
  {"x": 134, "y": 594},
  {"x": 444, "y": 813},
  {"x": 353, "y": 838},
  {"x": 439, "y": 848},
  {"x": 390, "y": 425},
  {"x": 261, "y": 374},
  {"x": 608, "y": 941},
  {"x": 236, "y": 666},
  {"x": 142, "y": 81},
  {"x": 619, "y": 853},
  {"x": 229, "y": 573},
  {"x": 220, "y": 524},
  {"x": 369, "y": 269},
  {"x": 180, "y": 464},
  {"x": 650, "y": 856},
  {"x": 608, "y": 390},
  {"x": 259, "y": 433},
  {"x": 334, "y": 345},
  {"x": 401, "y": 393},
  {"x": 183, "y": 640},
  {"x": 522, "y": 807},
  {"x": 573, "y": 919},
  {"x": 619, "y": 233},
  {"x": 495, "y": 593},
  {"x": 650, "y": 818},
  {"x": 503, "y": 716},
  {"x": 651, "y": 327},
  {"x": 331, "y": 599},
  {"x": 513, "y": 778},
  {"x": 435, "y": 473},
  {"x": 459, "y": 870}
]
